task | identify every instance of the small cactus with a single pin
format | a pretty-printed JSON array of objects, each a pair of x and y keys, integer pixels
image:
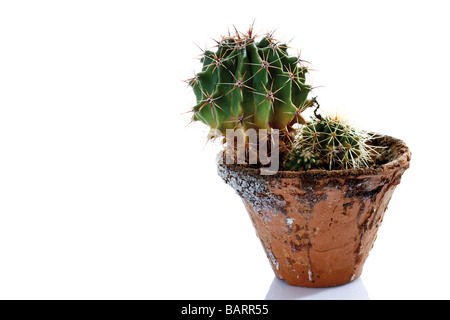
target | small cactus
[
  {"x": 249, "y": 84},
  {"x": 332, "y": 144},
  {"x": 302, "y": 160}
]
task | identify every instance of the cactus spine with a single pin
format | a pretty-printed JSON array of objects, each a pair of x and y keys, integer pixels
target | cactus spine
[
  {"x": 250, "y": 84},
  {"x": 333, "y": 144}
]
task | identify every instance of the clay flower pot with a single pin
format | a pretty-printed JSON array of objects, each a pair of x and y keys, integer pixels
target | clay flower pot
[{"x": 317, "y": 227}]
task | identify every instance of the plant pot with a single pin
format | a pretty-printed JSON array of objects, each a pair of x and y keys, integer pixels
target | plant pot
[{"x": 317, "y": 227}]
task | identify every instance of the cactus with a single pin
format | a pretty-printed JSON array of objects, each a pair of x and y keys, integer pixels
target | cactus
[
  {"x": 250, "y": 84},
  {"x": 302, "y": 160},
  {"x": 332, "y": 144}
]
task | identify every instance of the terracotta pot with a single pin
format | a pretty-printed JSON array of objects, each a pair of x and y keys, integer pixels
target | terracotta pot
[{"x": 317, "y": 227}]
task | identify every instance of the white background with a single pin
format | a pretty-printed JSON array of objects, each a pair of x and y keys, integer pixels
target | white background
[{"x": 106, "y": 193}]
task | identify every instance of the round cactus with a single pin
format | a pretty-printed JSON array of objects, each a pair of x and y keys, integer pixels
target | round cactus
[
  {"x": 247, "y": 83},
  {"x": 333, "y": 144},
  {"x": 302, "y": 160}
]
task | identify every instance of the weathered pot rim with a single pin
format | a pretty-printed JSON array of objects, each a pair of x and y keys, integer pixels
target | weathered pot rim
[{"x": 400, "y": 157}]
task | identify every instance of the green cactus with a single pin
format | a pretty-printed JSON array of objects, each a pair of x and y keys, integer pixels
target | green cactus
[
  {"x": 333, "y": 144},
  {"x": 250, "y": 84},
  {"x": 302, "y": 160}
]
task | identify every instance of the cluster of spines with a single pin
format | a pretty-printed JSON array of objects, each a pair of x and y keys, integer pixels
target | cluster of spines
[
  {"x": 250, "y": 84},
  {"x": 337, "y": 145}
]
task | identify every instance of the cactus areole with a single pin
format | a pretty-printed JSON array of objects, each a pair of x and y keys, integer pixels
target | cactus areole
[{"x": 317, "y": 217}]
